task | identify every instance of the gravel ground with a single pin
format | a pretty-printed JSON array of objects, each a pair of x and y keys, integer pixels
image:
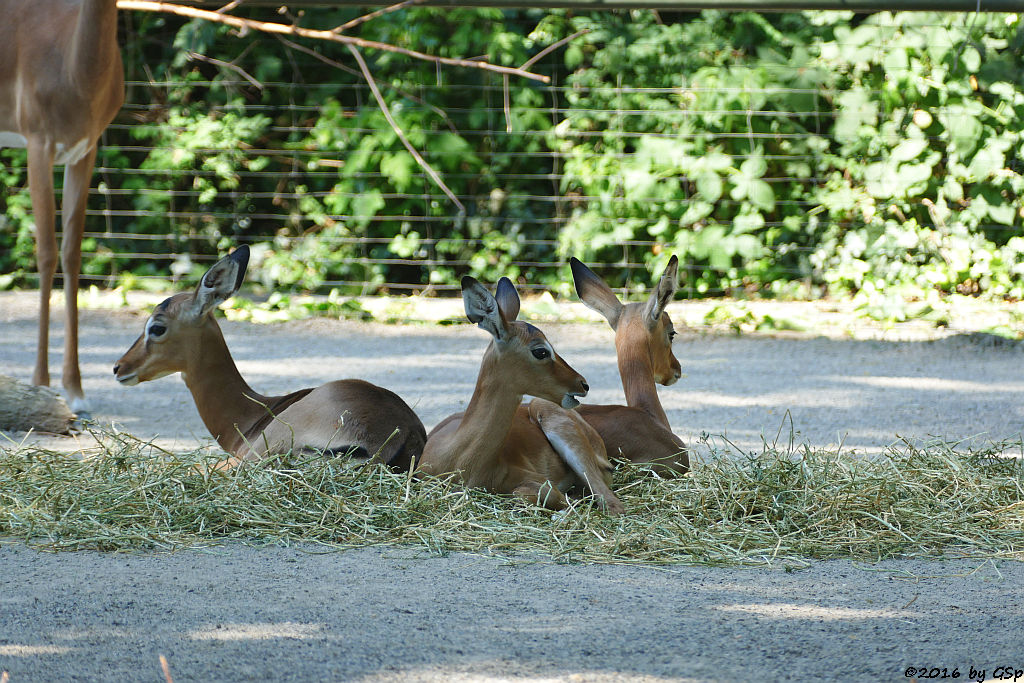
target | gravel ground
[{"x": 241, "y": 613}]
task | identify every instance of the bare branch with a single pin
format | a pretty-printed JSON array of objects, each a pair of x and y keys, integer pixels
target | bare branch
[
  {"x": 230, "y": 6},
  {"x": 355, "y": 72},
  {"x": 506, "y": 101},
  {"x": 552, "y": 47},
  {"x": 373, "y": 15},
  {"x": 532, "y": 60},
  {"x": 372, "y": 82},
  {"x": 226, "y": 65},
  {"x": 271, "y": 27}
]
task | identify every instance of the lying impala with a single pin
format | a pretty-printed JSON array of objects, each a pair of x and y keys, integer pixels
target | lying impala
[
  {"x": 638, "y": 431},
  {"x": 538, "y": 451},
  {"x": 183, "y": 336}
]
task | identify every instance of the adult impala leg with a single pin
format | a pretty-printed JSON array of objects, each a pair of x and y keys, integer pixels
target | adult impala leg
[
  {"x": 77, "y": 176},
  {"x": 40, "y": 186}
]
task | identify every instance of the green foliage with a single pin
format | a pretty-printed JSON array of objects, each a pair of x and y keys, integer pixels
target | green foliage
[
  {"x": 796, "y": 148},
  {"x": 924, "y": 192},
  {"x": 17, "y": 249},
  {"x": 817, "y": 152}
]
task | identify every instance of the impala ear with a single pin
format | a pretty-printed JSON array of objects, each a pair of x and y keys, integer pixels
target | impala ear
[
  {"x": 662, "y": 294},
  {"x": 593, "y": 292},
  {"x": 220, "y": 282},
  {"x": 482, "y": 308},
  {"x": 508, "y": 299}
]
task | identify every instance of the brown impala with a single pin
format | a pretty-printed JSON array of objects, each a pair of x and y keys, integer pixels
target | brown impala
[
  {"x": 538, "y": 451},
  {"x": 183, "y": 336},
  {"x": 638, "y": 431}
]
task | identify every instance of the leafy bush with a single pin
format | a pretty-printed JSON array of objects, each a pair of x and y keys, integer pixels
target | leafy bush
[
  {"x": 862, "y": 166},
  {"x": 810, "y": 153}
]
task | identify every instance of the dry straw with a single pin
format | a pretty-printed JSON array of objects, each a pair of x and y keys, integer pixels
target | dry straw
[{"x": 780, "y": 507}]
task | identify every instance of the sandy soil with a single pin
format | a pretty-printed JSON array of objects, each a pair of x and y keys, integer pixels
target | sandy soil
[{"x": 241, "y": 613}]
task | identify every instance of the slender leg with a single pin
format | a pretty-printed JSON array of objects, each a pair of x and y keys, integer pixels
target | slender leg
[
  {"x": 541, "y": 494},
  {"x": 77, "y": 177},
  {"x": 580, "y": 447},
  {"x": 40, "y": 185}
]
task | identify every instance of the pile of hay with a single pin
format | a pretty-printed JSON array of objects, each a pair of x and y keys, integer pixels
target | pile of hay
[{"x": 778, "y": 507}]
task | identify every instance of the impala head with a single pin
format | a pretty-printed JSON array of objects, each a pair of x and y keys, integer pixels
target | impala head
[
  {"x": 645, "y": 325},
  {"x": 174, "y": 332},
  {"x": 528, "y": 363}
]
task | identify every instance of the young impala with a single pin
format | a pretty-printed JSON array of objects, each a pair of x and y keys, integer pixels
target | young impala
[
  {"x": 183, "y": 336},
  {"x": 538, "y": 451},
  {"x": 638, "y": 431}
]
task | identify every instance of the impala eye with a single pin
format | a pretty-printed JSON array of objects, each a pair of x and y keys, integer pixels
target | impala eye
[
  {"x": 540, "y": 353},
  {"x": 157, "y": 330},
  {"x": 671, "y": 335}
]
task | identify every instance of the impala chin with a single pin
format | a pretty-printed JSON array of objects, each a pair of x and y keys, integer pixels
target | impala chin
[
  {"x": 129, "y": 380},
  {"x": 569, "y": 401}
]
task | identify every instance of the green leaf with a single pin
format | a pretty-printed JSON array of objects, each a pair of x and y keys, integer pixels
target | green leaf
[
  {"x": 709, "y": 186},
  {"x": 754, "y": 167},
  {"x": 398, "y": 168},
  {"x": 452, "y": 149},
  {"x": 707, "y": 241},
  {"x": 659, "y": 228},
  {"x": 963, "y": 128},
  {"x": 909, "y": 149},
  {"x": 748, "y": 246},
  {"x": 856, "y": 109},
  {"x": 1002, "y": 213},
  {"x": 761, "y": 195},
  {"x": 638, "y": 183},
  {"x": 747, "y": 222},
  {"x": 696, "y": 211},
  {"x": 986, "y": 162},
  {"x": 366, "y": 205},
  {"x": 896, "y": 62},
  {"x": 741, "y": 185}
]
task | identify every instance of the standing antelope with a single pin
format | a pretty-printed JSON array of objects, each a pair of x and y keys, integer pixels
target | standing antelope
[
  {"x": 638, "y": 431},
  {"x": 538, "y": 451},
  {"x": 183, "y": 336},
  {"x": 61, "y": 83}
]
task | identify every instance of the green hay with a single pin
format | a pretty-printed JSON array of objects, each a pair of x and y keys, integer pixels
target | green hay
[{"x": 779, "y": 507}]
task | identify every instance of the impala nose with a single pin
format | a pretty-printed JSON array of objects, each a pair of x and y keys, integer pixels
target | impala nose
[
  {"x": 583, "y": 383},
  {"x": 117, "y": 366}
]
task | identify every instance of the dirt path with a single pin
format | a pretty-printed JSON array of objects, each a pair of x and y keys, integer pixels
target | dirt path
[
  {"x": 240, "y": 613},
  {"x": 855, "y": 392}
]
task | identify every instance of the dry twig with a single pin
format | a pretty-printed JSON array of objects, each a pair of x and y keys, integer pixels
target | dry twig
[
  {"x": 372, "y": 82},
  {"x": 316, "y": 34}
]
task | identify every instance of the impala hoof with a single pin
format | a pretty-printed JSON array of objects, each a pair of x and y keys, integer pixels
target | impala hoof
[{"x": 80, "y": 407}]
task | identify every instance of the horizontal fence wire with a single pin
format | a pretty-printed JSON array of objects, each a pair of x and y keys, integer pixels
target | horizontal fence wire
[{"x": 274, "y": 177}]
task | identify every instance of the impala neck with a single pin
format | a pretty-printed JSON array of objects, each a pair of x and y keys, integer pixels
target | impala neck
[
  {"x": 94, "y": 40},
  {"x": 227, "y": 405},
  {"x": 487, "y": 421},
  {"x": 637, "y": 373}
]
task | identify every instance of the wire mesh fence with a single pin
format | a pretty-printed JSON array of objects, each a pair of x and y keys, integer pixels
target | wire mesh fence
[{"x": 546, "y": 159}]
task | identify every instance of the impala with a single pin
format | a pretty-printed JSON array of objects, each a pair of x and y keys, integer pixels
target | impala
[
  {"x": 61, "y": 83},
  {"x": 638, "y": 431},
  {"x": 183, "y": 336},
  {"x": 538, "y": 451}
]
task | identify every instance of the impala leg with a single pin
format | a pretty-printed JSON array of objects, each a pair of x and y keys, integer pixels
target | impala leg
[
  {"x": 580, "y": 448},
  {"x": 40, "y": 186},
  {"x": 77, "y": 177},
  {"x": 541, "y": 494}
]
